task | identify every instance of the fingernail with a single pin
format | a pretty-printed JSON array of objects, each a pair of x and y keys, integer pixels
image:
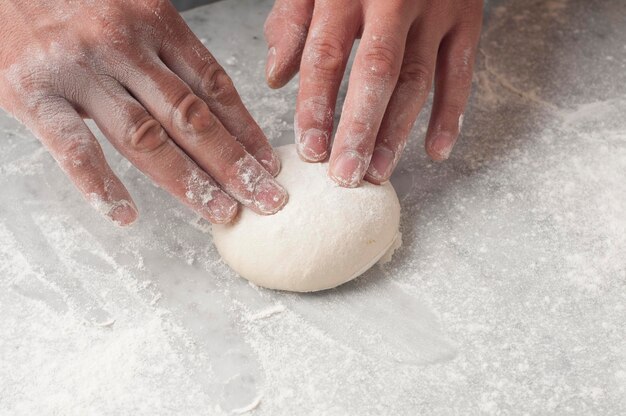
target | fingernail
[
  {"x": 441, "y": 146},
  {"x": 348, "y": 169},
  {"x": 123, "y": 214},
  {"x": 271, "y": 63},
  {"x": 222, "y": 208},
  {"x": 313, "y": 146},
  {"x": 381, "y": 164},
  {"x": 269, "y": 197},
  {"x": 269, "y": 160}
]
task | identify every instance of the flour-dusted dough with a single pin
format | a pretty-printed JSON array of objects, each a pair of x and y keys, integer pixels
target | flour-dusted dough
[{"x": 323, "y": 237}]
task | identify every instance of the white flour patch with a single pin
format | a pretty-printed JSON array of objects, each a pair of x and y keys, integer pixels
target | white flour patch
[
  {"x": 266, "y": 313},
  {"x": 512, "y": 263}
]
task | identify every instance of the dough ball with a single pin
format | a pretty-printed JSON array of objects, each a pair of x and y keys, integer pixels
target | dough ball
[{"x": 323, "y": 237}]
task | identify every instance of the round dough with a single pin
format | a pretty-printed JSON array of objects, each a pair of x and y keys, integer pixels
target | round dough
[{"x": 325, "y": 235}]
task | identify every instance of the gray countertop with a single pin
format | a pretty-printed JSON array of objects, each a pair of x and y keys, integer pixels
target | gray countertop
[{"x": 508, "y": 296}]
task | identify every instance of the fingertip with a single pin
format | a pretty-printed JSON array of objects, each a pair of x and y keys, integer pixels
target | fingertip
[
  {"x": 270, "y": 66},
  {"x": 274, "y": 70},
  {"x": 348, "y": 169},
  {"x": 270, "y": 161},
  {"x": 219, "y": 219},
  {"x": 269, "y": 197},
  {"x": 312, "y": 146},
  {"x": 283, "y": 57},
  {"x": 278, "y": 75},
  {"x": 381, "y": 165},
  {"x": 123, "y": 213},
  {"x": 222, "y": 209},
  {"x": 440, "y": 146},
  {"x": 277, "y": 83},
  {"x": 374, "y": 181}
]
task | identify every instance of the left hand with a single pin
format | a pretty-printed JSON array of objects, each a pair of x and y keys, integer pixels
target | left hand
[{"x": 404, "y": 45}]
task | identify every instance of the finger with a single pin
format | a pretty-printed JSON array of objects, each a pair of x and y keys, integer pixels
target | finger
[
  {"x": 192, "y": 126},
  {"x": 407, "y": 100},
  {"x": 324, "y": 61},
  {"x": 188, "y": 58},
  {"x": 372, "y": 81},
  {"x": 76, "y": 150},
  {"x": 286, "y": 30},
  {"x": 453, "y": 83},
  {"x": 143, "y": 141}
]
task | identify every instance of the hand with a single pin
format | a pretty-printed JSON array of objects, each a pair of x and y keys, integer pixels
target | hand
[
  {"x": 153, "y": 89},
  {"x": 404, "y": 44}
]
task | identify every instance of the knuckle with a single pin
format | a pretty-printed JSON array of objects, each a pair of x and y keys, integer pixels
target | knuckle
[
  {"x": 316, "y": 110},
  {"x": 205, "y": 124},
  {"x": 451, "y": 110},
  {"x": 224, "y": 152},
  {"x": 18, "y": 96},
  {"x": 416, "y": 75},
  {"x": 361, "y": 130},
  {"x": 462, "y": 75},
  {"x": 155, "y": 10},
  {"x": 461, "y": 68},
  {"x": 79, "y": 153},
  {"x": 34, "y": 79},
  {"x": 382, "y": 57},
  {"x": 326, "y": 53},
  {"x": 253, "y": 138},
  {"x": 146, "y": 135},
  {"x": 110, "y": 28},
  {"x": 192, "y": 116},
  {"x": 216, "y": 84},
  {"x": 155, "y": 4},
  {"x": 227, "y": 152}
]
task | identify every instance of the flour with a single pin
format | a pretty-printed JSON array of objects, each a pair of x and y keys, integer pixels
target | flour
[
  {"x": 199, "y": 190},
  {"x": 507, "y": 296},
  {"x": 118, "y": 359},
  {"x": 266, "y": 313}
]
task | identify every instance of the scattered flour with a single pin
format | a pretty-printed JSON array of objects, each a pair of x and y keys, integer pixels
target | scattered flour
[{"x": 516, "y": 245}]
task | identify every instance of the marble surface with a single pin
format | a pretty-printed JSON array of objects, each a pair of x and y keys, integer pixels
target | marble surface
[{"x": 508, "y": 296}]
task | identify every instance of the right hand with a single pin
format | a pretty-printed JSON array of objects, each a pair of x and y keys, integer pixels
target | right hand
[
  {"x": 406, "y": 47},
  {"x": 153, "y": 89}
]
